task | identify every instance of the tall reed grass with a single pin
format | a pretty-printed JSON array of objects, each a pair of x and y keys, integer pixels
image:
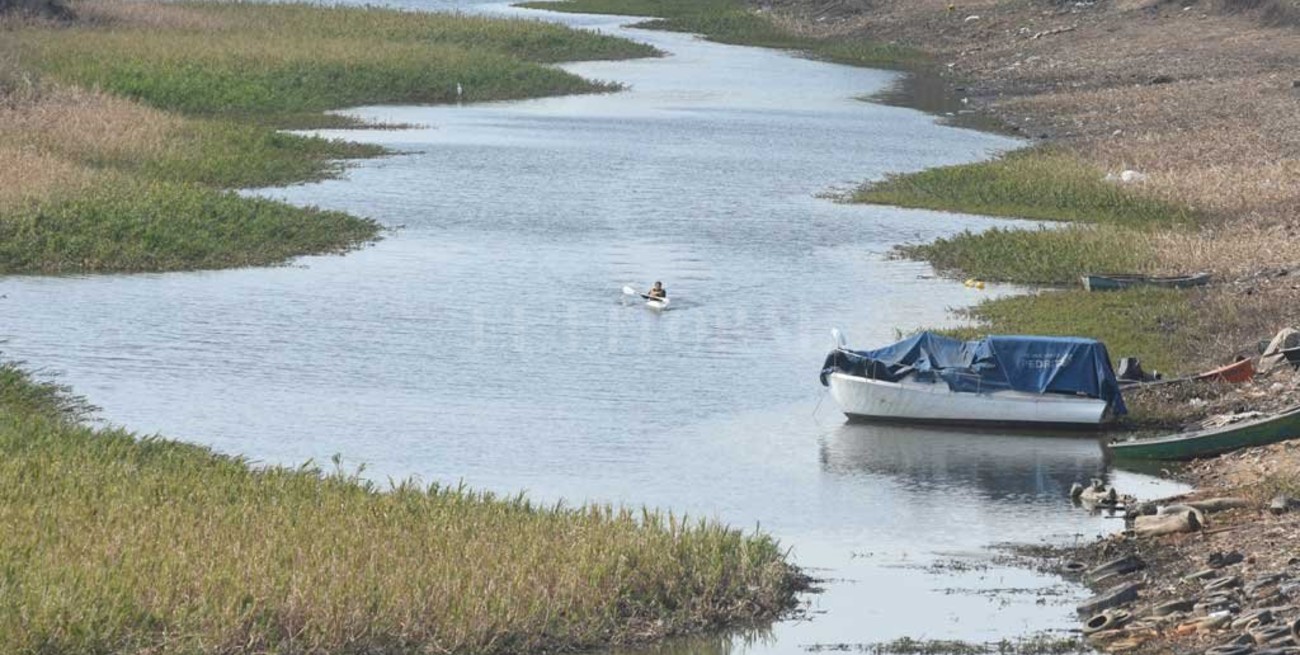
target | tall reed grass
[
  {"x": 112, "y": 543},
  {"x": 732, "y": 21}
]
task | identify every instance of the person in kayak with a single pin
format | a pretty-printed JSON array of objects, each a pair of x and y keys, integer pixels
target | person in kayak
[{"x": 658, "y": 291}]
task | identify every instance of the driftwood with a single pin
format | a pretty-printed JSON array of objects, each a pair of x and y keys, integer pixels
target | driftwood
[
  {"x": 1099, "y": 496},
  {"x": 1212, "y": 505},
  {"x": 1152, "y": 526},
  {"x": 1173, "y": 510}
]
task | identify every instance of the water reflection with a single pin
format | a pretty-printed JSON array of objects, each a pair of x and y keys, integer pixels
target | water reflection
[
  {"x": 932, "y": 93},
  {"x": 716, "y": 644},
  {"x": 997, "y": 466}
]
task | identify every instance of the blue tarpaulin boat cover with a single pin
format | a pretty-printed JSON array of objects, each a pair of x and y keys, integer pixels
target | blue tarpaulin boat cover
[{"x": 1065, "y": 365}]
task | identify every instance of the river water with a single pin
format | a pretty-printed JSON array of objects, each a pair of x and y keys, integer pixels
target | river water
[{"x": 487, "y": 340}]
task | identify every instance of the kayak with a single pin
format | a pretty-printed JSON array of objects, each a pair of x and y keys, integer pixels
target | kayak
[
  {"x": 655, "y": 303},
  {"x": 650, "y": 302}
]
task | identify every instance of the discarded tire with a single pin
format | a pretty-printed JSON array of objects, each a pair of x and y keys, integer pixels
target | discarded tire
[
  {"x": 1203, "y": 574},
  {"x": 1220, "y": 560},
  {"x": 1173, "y": 606},
  {"x": 1230, "y": 649},
  {"x": 1112, "y": 597},
  {"x": 1223, "y": 583},
  {"x": 1126, "y": 564},
  {"x": 1073, "y": 568},
  {"x": 1271, "y": 634},
  {"x": 1109, "y": 620}
]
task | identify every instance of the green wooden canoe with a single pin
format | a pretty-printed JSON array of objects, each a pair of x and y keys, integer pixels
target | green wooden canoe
[
  {"x": 1114, "y": 281},
  {"x": 1214, "y": 441}
]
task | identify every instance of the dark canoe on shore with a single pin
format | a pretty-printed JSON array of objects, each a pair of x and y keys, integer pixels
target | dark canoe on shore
[
  {"x": 1114, "y": 281},
  {"x": 1214, "y": 441}
]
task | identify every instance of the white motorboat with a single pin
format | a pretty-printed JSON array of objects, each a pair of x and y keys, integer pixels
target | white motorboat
[
  {"x": 934, "y": 402},
  {"x": 1046, "y": 381}
]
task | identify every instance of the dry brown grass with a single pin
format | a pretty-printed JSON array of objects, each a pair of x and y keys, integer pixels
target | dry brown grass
[
  {"x": 28, "y": 176},
  {"x": 87, "y": 126},
  {"x": 1229, "y": 147},
  {"x": 57, "y": 141}
]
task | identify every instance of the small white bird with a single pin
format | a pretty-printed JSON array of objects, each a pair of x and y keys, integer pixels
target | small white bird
[{"x": 459, "y": 92}]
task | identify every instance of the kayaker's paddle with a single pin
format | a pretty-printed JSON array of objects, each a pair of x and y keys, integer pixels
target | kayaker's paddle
[{"x": 629, "y": 291}]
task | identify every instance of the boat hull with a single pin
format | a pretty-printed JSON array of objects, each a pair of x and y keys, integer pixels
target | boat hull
[
  {"x": 875, "y": 400},
  {"x": 1215, "y": 441},
  {"x": 1113, "y": 282},
  {"x": 1235, "y": 373}
]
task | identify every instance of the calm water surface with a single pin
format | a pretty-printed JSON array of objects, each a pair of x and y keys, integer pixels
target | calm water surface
[{"x": 486, "y": 340}]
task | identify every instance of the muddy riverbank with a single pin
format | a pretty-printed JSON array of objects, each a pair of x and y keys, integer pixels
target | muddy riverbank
[
  {"x": 1197, "y": 98},
  {"x": 1231, "y": 585}
]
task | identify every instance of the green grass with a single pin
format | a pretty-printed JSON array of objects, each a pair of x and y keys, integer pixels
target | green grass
[
  {"x": 111, "y": 543},
  {"x": 732, "y": 21},
  {"x": 1043, "y": 184},
  {"x": 1038, "y": 183},
  {"x": 165, "y": 226},
  {"x": 1155, "y": 325},
  {"x": 294, "y": 59},
  {"x": 229, "y": 75},
  {"x": 229, "y": 154},
  {"x": 1035, "y": 256}
]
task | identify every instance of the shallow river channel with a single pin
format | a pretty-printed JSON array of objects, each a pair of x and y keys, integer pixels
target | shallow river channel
[{"x": 487, "y": 340}]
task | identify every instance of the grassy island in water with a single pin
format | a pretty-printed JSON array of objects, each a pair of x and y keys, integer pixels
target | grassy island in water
[{"x": 124, "y": 128}]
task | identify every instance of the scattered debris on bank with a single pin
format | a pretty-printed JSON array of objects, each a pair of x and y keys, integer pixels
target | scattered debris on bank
[
  {"x": 1214, "y": 571},
  {"x": 1270, "y": 385}
]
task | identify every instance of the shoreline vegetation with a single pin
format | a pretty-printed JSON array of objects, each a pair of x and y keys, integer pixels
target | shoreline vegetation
[
  {"x": 115, "y": 543},
  {"x": 734, "y": 22},
  {"x": 125, "y": 127}
]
